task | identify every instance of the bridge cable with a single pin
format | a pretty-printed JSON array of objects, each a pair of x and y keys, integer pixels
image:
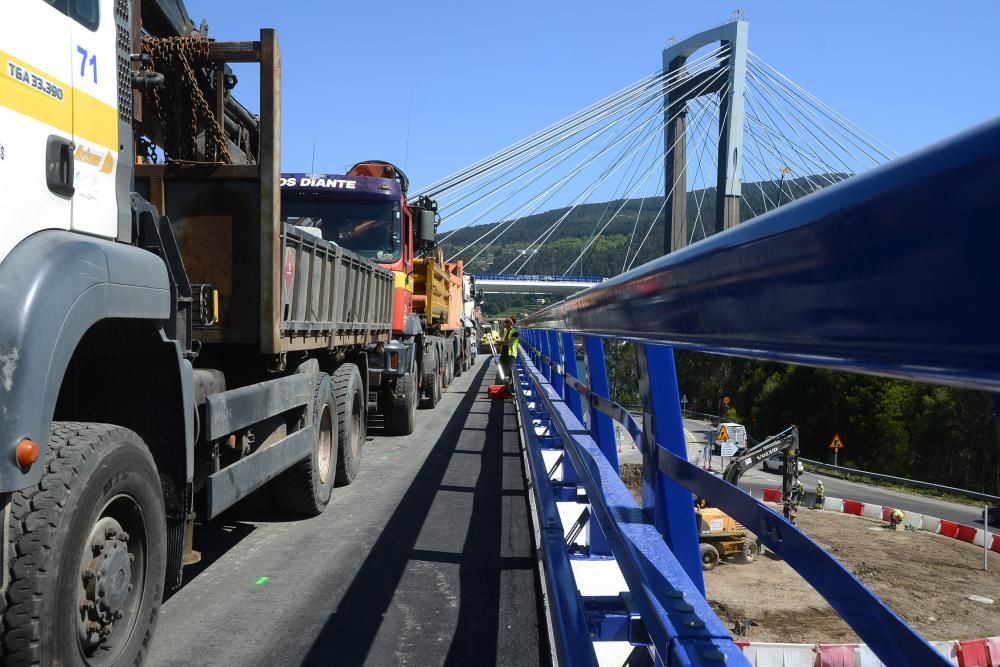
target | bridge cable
[
  {"x": 526, "y": 254},
  {"x": 476, "y": 170},
  {"x": 648, "y": 173},
  {"x": 615, "y": 167},
  {"x": 551, "y": 191},
  {"x": 850, "y": 127}
]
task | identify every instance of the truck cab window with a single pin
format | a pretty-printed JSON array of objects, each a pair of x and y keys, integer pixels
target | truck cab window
[
  {"x": 84, "y": 12},
  {"x": 371, "y": 229}
]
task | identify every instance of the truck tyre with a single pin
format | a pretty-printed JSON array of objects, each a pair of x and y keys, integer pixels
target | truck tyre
[
  {"x": 350, "y": 395},
  {"x": 446, "y": 369},
  {"x": 400, "y": 408},
  {"x": 305, "y": 488},
  {"x": 432, "y": 393},
  {"x": 88, "y": 546},
  {"x": 750, "y": 551},
  {"x": 438, "y": 385},
  {"x": 459, "y": 364},
  {"x": 709, "y": 557}
]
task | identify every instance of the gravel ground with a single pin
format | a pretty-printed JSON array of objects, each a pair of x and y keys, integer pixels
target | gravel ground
[{"x": 926, "y": 578}]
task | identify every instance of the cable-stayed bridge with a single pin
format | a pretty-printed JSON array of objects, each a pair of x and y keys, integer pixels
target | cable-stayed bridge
[
  {"x": 521, "y": 283},
  {"x": 717, "y": 137},
  {"x": 654, "y": 182},
  {"x": 714, "y": 205}
]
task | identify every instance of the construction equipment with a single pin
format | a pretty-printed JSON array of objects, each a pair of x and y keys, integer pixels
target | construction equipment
[{"x": 720, "y": 535}]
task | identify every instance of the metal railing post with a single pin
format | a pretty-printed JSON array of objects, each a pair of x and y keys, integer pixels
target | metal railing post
[
  {"x": 601, "y": 426},
  {"x": 663, "y": 426},
  {"x": 556, "y": 356},
  {"x": 569, "y": 365},
  {"x": 546, "y": 345}
]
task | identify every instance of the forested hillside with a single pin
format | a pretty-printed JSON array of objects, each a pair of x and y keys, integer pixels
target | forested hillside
[{"x": 627, "y": 234}]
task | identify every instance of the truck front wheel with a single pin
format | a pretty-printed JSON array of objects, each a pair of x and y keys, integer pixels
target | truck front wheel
[
  {"x": 88, "y": 547},
  {"x": 349, "y": 393}
]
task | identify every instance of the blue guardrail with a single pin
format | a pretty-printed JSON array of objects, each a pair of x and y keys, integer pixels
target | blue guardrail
[{"x": 888, "y": 273}]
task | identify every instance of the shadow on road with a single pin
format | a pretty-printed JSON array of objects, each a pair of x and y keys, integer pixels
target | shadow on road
[{"x": 348, "y": 636}]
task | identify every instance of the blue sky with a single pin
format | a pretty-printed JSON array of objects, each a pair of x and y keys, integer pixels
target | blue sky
[{"x": 468, "y": 78}]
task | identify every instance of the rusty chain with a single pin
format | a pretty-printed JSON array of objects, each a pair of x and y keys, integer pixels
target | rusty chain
[{"x": 180, "y": 105}]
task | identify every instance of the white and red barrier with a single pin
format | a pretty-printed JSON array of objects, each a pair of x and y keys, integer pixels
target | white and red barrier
[
  {"x": 930, "y": 524},
  {"x": 969, "y": 653}
]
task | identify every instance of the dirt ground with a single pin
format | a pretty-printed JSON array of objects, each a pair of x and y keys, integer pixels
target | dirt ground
[{"x": 925, "y": 578}]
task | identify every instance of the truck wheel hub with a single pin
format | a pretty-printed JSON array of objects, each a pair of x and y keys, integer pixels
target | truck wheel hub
[{"x": 106, "y": 575}]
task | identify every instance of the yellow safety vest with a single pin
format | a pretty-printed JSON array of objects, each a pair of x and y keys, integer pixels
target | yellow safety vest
[{"x": 512, "y": 348}]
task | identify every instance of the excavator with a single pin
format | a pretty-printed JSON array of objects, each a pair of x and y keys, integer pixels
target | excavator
[{"x": 720, "y": 536}]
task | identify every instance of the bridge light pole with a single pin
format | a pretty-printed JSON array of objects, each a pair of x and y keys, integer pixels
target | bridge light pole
[{"x": 683, "y": 88}]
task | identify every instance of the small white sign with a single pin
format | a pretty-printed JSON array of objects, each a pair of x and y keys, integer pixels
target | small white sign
[
  {"x": 715, "y": 525},
  {"x": 729, "y": 449}
]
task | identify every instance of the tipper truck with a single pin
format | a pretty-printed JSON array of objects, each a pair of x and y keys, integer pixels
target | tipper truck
[
  {"x": 367, "y": 211},
  {"x": 171, "y": 340}
]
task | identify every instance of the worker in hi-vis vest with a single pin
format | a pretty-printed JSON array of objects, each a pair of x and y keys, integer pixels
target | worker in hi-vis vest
[{"x": 508, "y": 350}]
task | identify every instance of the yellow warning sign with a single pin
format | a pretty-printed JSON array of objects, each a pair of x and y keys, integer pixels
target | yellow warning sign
[
  {"x": 724, "y": 435},
  {"x": 836, "y": 443}
]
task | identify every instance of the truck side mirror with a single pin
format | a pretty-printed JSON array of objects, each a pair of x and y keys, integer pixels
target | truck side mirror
[{"x": 426, "y": 235}]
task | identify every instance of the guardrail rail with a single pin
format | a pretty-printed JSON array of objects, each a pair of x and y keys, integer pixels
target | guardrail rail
[{"x": 857, "y": 277}]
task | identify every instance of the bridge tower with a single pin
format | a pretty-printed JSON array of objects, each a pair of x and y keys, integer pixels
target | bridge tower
[{"x": 731, "y": 86}]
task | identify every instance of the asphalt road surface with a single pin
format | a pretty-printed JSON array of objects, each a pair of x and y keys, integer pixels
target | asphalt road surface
[{"x": 426, "y": 559}]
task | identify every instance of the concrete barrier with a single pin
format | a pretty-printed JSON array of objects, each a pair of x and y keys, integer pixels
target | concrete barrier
[
  {"x": 970, "y": 653},
  {"x": 973, "y": 653},
  {"x": 947, "y": 528},
  {"x": 833, "y": 504},
  {"x": 913, "y": 520},
  {"x": 785, "y": 655},
  {"x": 772, "y": 495},
  {"x": 836, "y": 655},
  {"x": 855, "y": 507},
  {"x": 931, "y": 524},
  {"x": 947, "y": 649},
  {"x": 872, "y": 511}
]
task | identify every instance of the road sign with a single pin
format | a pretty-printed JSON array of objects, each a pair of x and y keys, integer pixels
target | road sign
[
  {"x": 729, "y": 449},
  {"x": 726, "y": 400},
  {"x": 836, "y": 443},
  {"x": 684, "y": 399},
  {"x": 723, "y": 435}
]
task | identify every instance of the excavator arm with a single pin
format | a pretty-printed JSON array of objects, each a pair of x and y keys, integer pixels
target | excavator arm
[{"x": 786, "y": 442}]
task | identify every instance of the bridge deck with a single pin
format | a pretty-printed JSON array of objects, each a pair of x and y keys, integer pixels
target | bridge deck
[{"x": 426, "y": 559}]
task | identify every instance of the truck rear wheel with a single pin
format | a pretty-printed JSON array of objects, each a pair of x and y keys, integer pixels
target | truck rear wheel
[
  {"x": 448, "y": 368},
  {"x": 432, "y": 393},
  {"x": 399, "y": 407},
  {"x": 89, "y": 552},
  {"x": 305, "y": 488},
  {"x": 349, "y": 393}
]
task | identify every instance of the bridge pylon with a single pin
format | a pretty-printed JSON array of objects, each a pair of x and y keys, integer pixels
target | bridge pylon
[{"x": 684, "y": 88}]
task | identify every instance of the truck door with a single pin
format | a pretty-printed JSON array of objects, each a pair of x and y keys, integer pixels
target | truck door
[
  {"x": 36, "y": 120},
  {"x": 94, "y": 54}
]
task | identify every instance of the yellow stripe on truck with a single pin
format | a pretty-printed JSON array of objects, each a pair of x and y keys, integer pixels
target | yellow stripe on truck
[
  {"x": 29, "y": 91},
  {"x": 402, "y": 280}
]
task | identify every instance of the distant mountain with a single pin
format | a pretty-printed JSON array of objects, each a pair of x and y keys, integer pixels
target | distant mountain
[{"x": 608, "y": 253}]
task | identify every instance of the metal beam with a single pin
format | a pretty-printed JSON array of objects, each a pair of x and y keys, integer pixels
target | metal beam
[{"x": 858, "y": 276}]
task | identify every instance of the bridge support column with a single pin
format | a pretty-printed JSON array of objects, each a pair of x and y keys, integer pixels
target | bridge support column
[{"x": 684, "y": 87}]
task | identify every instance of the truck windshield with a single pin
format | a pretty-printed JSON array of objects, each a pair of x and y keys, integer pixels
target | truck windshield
[{"x": 371, "y": 229}]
